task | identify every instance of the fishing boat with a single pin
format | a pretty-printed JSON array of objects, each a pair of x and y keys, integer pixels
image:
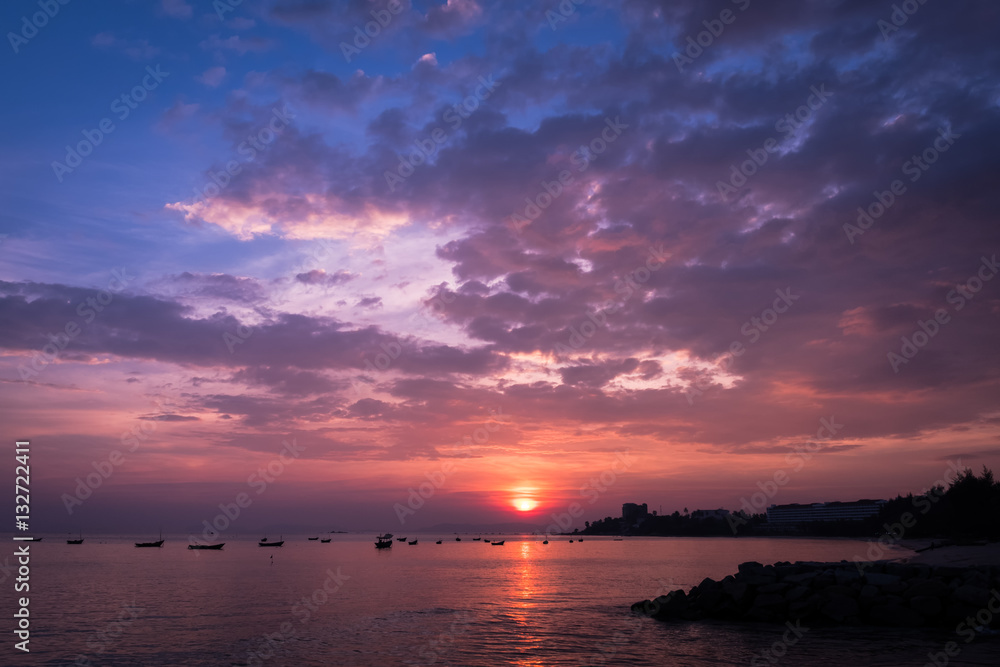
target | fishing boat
[
  {"x": 498, "y": 544},
  {"x": 458, "y": 539},
  {"x": 545, "y": 542},
  {"x": 312, "y": 539},
  {"x": 400, "y": 539},
  {"x": 264, "y": 543},
  {"x": 151, "y": 544},
  {"x": 438, "y": 542},
  {"x": 209, "y": 547},
  {"x": 476, "y": 539},
  {"x": 384, "y": 541},
  {"x": 327, "y": 540},
  {"x": 76, "y": 541},
  {"x": 413, "y": 542}
]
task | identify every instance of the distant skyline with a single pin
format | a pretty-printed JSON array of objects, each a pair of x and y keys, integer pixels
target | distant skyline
[{"x": 377, "y": 265}]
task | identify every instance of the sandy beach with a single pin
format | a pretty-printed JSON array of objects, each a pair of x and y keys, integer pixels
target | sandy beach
[{"x": 941, "y": 552}]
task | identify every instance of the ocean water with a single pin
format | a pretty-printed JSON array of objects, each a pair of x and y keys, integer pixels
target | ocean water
[{"x": 458, "y": 603}]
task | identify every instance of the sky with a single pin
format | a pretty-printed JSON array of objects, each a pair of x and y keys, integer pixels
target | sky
[{"x": 382, "y": 265}]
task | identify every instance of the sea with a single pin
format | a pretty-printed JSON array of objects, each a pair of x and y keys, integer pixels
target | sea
[{"x": 466, "y": 602}]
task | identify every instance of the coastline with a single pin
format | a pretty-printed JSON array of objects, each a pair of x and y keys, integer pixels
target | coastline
[{"x": 946, "y": 553}]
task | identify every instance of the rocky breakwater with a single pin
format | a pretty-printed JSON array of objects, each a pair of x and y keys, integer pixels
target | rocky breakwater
[{"x": 879, "y": 593}]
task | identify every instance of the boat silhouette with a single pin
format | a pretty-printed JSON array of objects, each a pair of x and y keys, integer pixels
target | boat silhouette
[
  {"x": 384, "y": 541},
  {"x": 264, "y": 543},
  {"x": 151, "y": 544},
  {"x": 210, "y": 547}
]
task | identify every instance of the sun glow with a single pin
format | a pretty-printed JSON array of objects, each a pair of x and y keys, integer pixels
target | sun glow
[{"x": 525, "y": 504}]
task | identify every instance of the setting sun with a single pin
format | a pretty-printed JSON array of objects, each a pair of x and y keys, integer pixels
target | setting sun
[{"x": 525, "y": 504}]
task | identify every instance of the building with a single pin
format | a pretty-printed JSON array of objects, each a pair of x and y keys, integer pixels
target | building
[
  {"x": 835, "y": 511},
  {"x": 631, "y": 513},
  {"x": 709, "y": 514}
]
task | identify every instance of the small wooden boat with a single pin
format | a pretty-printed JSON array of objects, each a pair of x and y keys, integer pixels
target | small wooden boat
[
  {"x": 498, "y": 544},
  {"x": 413, "y": 542},
  {"x": 151, "y": 544},
  {"x": 264, "y": 543},
  {"x": 458, "y": 539},
  {"x": 400, "y": 539},
  {"x": 312, "y": 539},
  {"x": 384, "y": 541},
  {"x": 76, "y": 541},
  {"x": 476, "y": 539},
  {"x": 209, "y": 547},
  {"x": 438, "y": 542},
  {"x": 545, "y": 542},
  {"x": 327, "y": 540}
]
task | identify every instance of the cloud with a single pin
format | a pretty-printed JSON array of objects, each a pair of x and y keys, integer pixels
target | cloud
[
  {"x": 177, "y": 9},
  {"x": 213, "y": 76}
]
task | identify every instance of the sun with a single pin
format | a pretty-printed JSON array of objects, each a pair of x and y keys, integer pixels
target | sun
[{"x": 525, "y": 504}]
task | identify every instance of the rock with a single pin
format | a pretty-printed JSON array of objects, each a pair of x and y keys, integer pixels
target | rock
[
  {"x": 876, "y": 579},
  {"x": 896, "y": 616},
  {"x": 711, "y": 599},
  {"x": 929, "y": 607},
  {"x": 805, "y": 577},
  {"x": 779, "y": 587},
  {"x": 971, "y": 594},
  {"x": 750, "y": 567},
  {"x": 736, "y": 591},
  {"x": 868, "y": 593},
  {"x": 840, "y": 607},
  {"x": 928, "y": 587},
  {"x": 708, "y": 584},
  {"x": 846, "y": 577},
  {"x": 770, "y": 601},
  {"x": 796, "y": 593},
  {"x": 841, "y": 590}
]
